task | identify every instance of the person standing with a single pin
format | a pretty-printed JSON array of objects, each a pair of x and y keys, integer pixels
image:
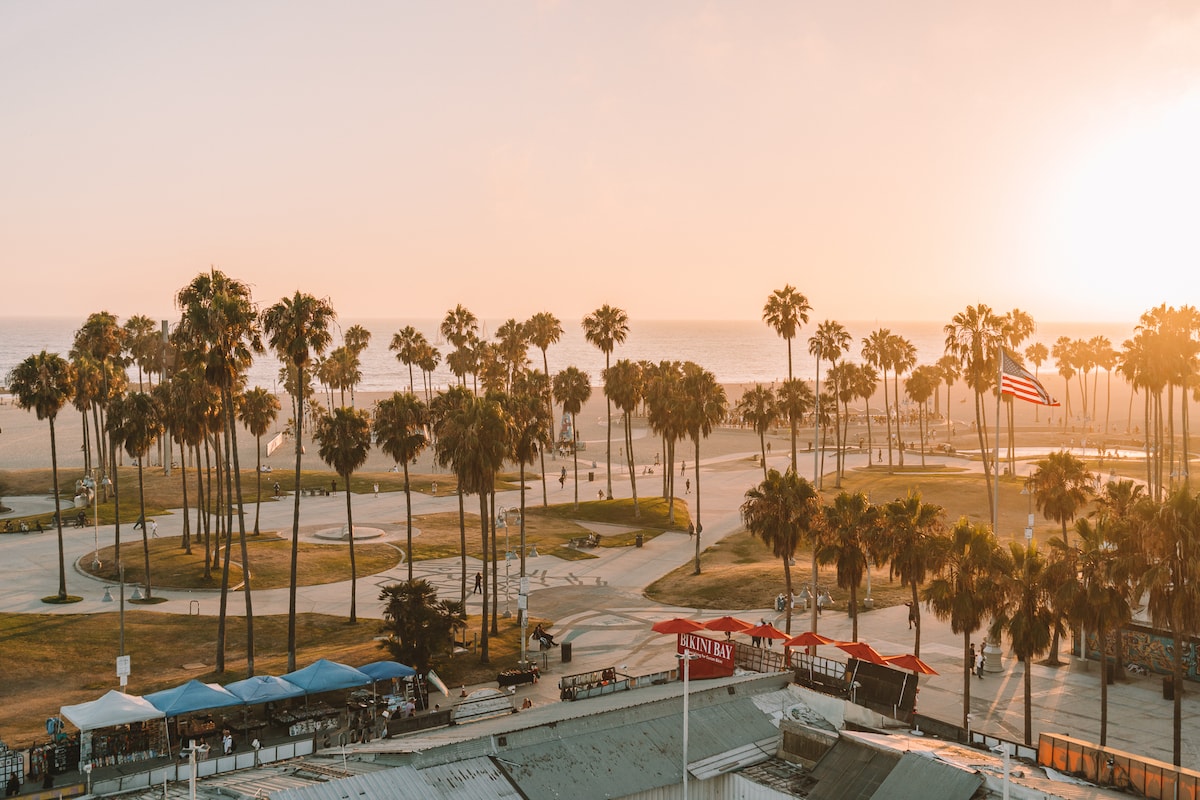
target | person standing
[
  {"x": 154, "y": 529},
  {"x": 971, "y": 658},
  {"x": 979, "y": 663},
  {"x": 377, "y": 490},
  {"x": 478, "y": 583}
]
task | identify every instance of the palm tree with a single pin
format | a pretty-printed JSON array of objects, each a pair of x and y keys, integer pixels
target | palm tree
[
  {"x": 784, "y": 312},
  {"x": 876, "y": 351},
  {"x": 920, "y": 386},
  {"x": 948, "y": 366},
  {"x": 345, "y": 441},
  {"x": 902, "y": 355},
  {"x": 757, "y": 408},
  {"x": 846, "y": 539},
  {"x": 102, "y": 338},
  {"x": 472, "y": 439},
  {"x": 401, "y": 423},
  {"x": 298, "y": 328},
  {"x": 607, "y": 327},
  {"x": 1102, "y": 599},
  {"x": 974, "y": 337},
  {"x": 913, "y": 543},
  {"x": 1063, "y": 352},
  {"x": 1170, "y": 582},
  {"x": 1026, "y": 613},
  {"x": 408, "y": 343},
  {"x": 796, "y": 399},
  {"x": 704, "y": 406},
  {"x": 542, "y": 330},
  {"x": 531, "y": 435},
  {"x": 571, "y": 390},
  {"x": 448, "y": 404},
  {"x": 258, "y": 409},
  {"x": 623, "y": 387},
  {"x": 783, "y": 511},
  {"x": 1037, "y": 354},
  {"x": 512, "y": 349},
  {"x": 829, "y": 342},
  {"x": 139, "y": 425},
  {"x": 43, "y": 383},
  {"x": 965, "y": 590},
  {"x": 1061, "y": 486},
  {"x": 459, "y": 329},
  {"x": 664, "y": 411},
  {"x": 144, "y": 343}
]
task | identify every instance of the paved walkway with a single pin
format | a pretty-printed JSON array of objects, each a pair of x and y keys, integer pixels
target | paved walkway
[{"x": 597, "y": 605}]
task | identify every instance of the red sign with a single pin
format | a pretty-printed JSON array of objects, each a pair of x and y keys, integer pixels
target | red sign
[{"x": 714, "y": 656}]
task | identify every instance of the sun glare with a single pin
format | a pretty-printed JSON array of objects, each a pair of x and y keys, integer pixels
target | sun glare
[{"x": 1125, "y": 225}]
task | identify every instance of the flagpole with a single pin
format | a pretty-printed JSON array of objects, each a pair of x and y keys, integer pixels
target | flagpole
[{"x": 996, "y": 452}]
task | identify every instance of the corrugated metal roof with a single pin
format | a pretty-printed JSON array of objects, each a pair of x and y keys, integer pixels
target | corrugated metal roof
[
  {"x": 919, "y": 777},
  {"x": 735, "y": 759},
  {"x": 473, "y": 779},
  {"x": 399, "y": 783},
  {"x": 851, "y": 771}
]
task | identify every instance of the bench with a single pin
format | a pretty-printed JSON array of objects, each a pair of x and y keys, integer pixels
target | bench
[{"x": 591, "y": 540}]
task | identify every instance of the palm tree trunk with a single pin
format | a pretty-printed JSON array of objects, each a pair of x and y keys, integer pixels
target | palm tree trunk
[
  {"x": 62, "y": 558},
  {"x": 483, "y": 528},
  {"x": 575, "y": 459},
  {"x": 224, "y": 606},
  {"x": 637, "y": 511},
  {"x": 462, "y": 546},
  {"x": 699, "y": 527},
  {"x": 1177, "y": 693},
  {"x": 1104, "y": 671},
  {"x": 1028, "y": 699},
  {"x": 298, "y": 413},
  {"x": 187, "y": 523},
  {"x": 899, "y": 435},
  {"x": 762, "y": 451},
  {"x": 353, "y": 565},
  {"x": 521, "y": 611},
  {"x": 408, "y": 521},
  {"x": 257, "y": 481},
  {"x": 112, "y": 450},
  {"x": 792, "y": 419},
  {"x": 145, "y": 523},
  {"x": 495, "y": 567},
  {"x": 980, "y": 420},
  {"x": 967, "y": 667},
  {"x": 231, "y": 433},
  {"x": 887, "y": 415}
]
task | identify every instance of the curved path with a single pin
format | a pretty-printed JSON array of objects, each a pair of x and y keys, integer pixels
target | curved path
[{"x": 597, "y": 605}]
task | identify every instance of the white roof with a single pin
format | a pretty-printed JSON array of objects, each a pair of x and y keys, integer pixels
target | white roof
[{"x": 114, "y": 708}]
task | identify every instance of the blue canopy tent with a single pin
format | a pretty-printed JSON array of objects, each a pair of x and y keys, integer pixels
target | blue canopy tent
[
  {"x": 192, "y": 696},
  {"x": 325, "y": 676},
  {"x": 385, "y": 670},
  {"x": 264, "y": 689}
]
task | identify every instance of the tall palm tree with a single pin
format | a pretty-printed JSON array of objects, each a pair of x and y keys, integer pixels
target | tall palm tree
[
  {"x": 623, "y": 387},
  {"x": 785, "y": 310},
  {"x": 865, "y": 380},
  {"x": 829, "y": 342},
  {"x": 704, "y": 406},
  {"x": 919, "y": 387},
  {"x": 102, "y": 338},
  {"x": 542, "y": 330},
  {"x": 144, "y": 343},
  {"x": 877, "y": 351},
  {"x": 974, "y": 336},
  {"x": 757, "y": 408},
  {"x": 512, "y": 348},
  {"x": 219, "y": 314},
  {"x": 401, "y": 424},
  {"x": 472, "y": 439},
  {"x": 345, "y": 441},
  {"x": 965, "y": 590},
  {"x": 140, "y": 424},
  {"x": 1170, "y": 582},
  {"x": 407, "y": 344},
  {"x": 1063, "y": 352},
  {"x": 902, "y": 355},
  {"x": 664, "y": 411},
  {"x": 784, "y": 510},
  {"x": 572, "y": 389},
  {"x": 460, "y": 328},
  {"x": 605, "y": 328},
  {"x": 1025, "y": 613},
  {"x": 448, "y": 404},
  {"x": 796, "y": 399},
  {"x": 1061, "y": 487},
  {"x": 948, "y": 366},
  {"x": 258, "y": 409},
  {"x": 1037, "y": 354},
  {"x": 297, "y": 328},
  {"x": 531, "y": 434},
  {"x": 846, "y": 540},
  {"x": 43, "y": 384},
  {"x": 913, "y": 542},
  {"x": 1102, "y": 600}
]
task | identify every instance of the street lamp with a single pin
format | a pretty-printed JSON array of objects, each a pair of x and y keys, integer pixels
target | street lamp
[
  {"x": 1028, "y": 492},
  {"x": 96, "y": 529},
  {"x": 687, "y": 656},
  {"x": 502, "y": 522}
]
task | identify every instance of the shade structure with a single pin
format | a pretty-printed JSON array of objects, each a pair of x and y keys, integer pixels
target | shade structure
[
  {"x": 386, "y": 670},
  {"x": 325, "y": 676},
  {"x": 862, "y": 651},
  {"x": 910, "y": 662},
  {"x": 728, "y": 624},
  {"x": 192, "y": 696},
  {"x": 766, "y": 631},
  {"x": 808, "y": 639},
  {"x": 677, "y": 625},
  {"x": 114, "y": 708},
  {"x": 264, "y": 689}
]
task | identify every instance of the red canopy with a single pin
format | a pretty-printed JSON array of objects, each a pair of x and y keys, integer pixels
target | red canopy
[
  {"x": 862, "y": 651},
  {"x": 808, "y": 639},
  {"x": 766, "y": 631},
  {"x": 728, "y": 624},
  {"x": 910, "y": 662},
  {"x": 677, "y": 625}
]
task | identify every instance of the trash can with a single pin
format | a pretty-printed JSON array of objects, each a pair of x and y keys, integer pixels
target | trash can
[
  {"x": 591, "y": 477},
  {"x": 638, "y": 540},
  {"x": 566, "y": 652}
]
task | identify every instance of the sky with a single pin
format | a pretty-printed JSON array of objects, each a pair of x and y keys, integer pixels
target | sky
[{"x": 680, "y": 160}]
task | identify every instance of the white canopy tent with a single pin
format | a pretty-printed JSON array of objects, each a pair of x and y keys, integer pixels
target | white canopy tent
[{"x": 114, "y": 708}]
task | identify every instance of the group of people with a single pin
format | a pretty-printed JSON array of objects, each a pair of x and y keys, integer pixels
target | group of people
[
  {"x": 976, "y": 660},
  {"x": 544, "y": 637}
]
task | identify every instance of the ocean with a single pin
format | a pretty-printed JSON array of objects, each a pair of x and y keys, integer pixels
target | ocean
[{"x": 734, "y": 351}]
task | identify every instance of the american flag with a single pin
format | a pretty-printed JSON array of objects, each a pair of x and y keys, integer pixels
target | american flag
[{"x": 1019, "y": 382}]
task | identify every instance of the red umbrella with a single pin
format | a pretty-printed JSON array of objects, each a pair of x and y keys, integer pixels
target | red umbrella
[
  {"x": 808, "y": 639},
  {"x": 910, "y": 662},
  {"x": 862, "y": 651},
  {"x": 677, "y": 625},
  {"x": 728, "y": 624},
  {"x": 766, "y": 631}
]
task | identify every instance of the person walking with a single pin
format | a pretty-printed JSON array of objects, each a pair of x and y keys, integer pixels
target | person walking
[
  {"x": 688, "y": 485},
  {"x": 154, "y": 529},
  {"x": 478, "y": 583},
  {"x": 979, "y": 663}
]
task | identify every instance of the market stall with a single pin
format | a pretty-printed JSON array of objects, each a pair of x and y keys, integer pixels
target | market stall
[
  {"x": 186, "y": 706},
  {"x": 117, "y": 729}
]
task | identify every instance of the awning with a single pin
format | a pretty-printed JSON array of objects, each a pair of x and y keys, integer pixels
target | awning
[
  {"x": 385, "y": 670},
  {"x": 114, "y": 708},
  {"x": 325, "y": 676},
  {"x": 264, "y": 689},
  {"x": 192, "y": 696}
]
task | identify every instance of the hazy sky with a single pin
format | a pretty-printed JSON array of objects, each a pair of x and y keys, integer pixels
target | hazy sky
[{"x": 893, "y": 160}]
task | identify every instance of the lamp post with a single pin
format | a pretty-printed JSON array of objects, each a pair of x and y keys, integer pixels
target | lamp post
[
  {"x": 1027, "y": 491},
  {"x": 687, "y": 657},
  {"x": 96, "y": 528},
  {"x": 502, "y": 522}
]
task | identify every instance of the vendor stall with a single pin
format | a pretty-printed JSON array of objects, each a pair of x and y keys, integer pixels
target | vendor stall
[{"x": 118, "y": 728}]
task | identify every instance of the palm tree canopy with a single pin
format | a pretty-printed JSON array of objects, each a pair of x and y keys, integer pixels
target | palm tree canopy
[
  {"x": 473, "y": 439},
  {"x": 42, "y": 383},
  {"x": 299, "y": 326},
  {"x": 606, "y": 327},
  {"x": 783, "y": 510},
  {"x": 572, "y": 388},
  {"x": 258, "y": 409},
  {"x": 785, "y": 310},
  {"x": 401, "y": 426},
  {"x": 344, "y": 438},
  {"x": 1061, "y": 486}
]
